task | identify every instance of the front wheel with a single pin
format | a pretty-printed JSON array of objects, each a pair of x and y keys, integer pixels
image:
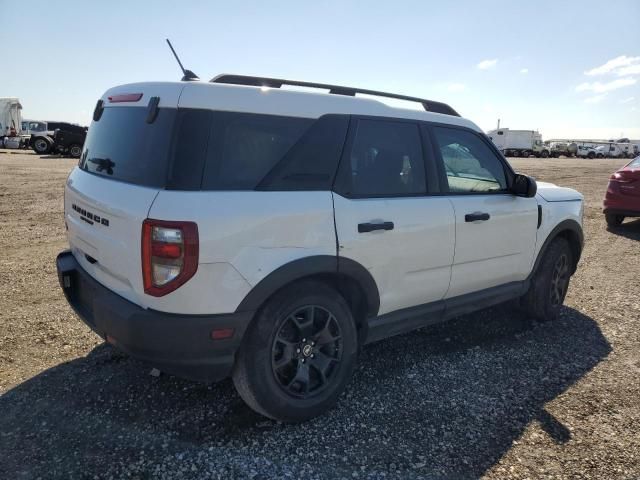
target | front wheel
[
  {"x": 298, "y": 354},
  {"x": 545, "y": 154},
  {"x": 550, "y": 282}
]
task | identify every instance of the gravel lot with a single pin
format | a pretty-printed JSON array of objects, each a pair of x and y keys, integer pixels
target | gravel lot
[{"x": 487, "y": 395}]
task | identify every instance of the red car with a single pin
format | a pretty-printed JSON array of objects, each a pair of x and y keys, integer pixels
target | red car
[{"x": 623, "y": 194}]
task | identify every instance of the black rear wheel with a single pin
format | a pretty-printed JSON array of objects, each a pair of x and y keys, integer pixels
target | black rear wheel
[
  {"x": 306, "y": 351},
  {"x": 42, "y": 146},
  {"x": 75, "y": 150},
  {"x": 298, "y": 354}
]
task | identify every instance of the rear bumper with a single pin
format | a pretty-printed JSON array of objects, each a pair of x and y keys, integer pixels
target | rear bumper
[
  {"x": 621, "y": 211},
  {"x": 617, "y": 203},
  {"x": 177, "y": 344}
]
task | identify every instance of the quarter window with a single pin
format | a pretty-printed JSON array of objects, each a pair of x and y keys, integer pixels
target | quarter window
[
  {"x": 385, "y": 160},
  {"x": 470, "y": 165},
  {"x": 245, "y": 147}
]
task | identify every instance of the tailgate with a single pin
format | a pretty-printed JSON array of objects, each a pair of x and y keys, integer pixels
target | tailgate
[
  {"x": 104, "y": 221},
  {"x": 123, "y": 166}
]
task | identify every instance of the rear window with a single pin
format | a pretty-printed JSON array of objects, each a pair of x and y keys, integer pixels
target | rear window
[
  {"x": 122, "y": 146},
  {"x": 194, "y": 149}
]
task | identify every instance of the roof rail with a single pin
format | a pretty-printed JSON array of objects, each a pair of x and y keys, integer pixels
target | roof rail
[{"x": 428, "y": 105}]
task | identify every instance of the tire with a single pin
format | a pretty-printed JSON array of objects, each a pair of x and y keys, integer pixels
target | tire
[
  {"x": 42, "y": 146},
  {"x": 75, "y": 150},
  {"x": 614, "y": 220},
  {"x": 526, "y": 154},
  {"x": 591, "y": 155},
  {"x": 549, "y": 284},
  {"x": 544, "y": 154},
  {"x": 278, "y": 367}
]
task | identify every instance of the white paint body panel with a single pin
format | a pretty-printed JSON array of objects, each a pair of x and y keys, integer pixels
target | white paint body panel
[
  {"x": 411, "y": 264},
  {"x": 553, "y": 193},
  {"x": 496, "y": 251},
  {"x": 553, "y": 213},
  {"x": 117, "y": 247},
  {"x": 252, "y": 233}
]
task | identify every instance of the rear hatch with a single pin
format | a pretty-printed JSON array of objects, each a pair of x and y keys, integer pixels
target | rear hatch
[{"x": 108, "y": 195}]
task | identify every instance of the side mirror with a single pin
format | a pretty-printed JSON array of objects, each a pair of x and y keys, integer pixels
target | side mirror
[{"x": 524, "y": 186}]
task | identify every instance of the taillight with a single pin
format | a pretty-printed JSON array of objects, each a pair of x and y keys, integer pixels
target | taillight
[
  {"x": 169, "y": 255},
  {"x": 624, "y": 177}
]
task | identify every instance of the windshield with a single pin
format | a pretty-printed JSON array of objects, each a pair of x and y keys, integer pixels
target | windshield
[{"x": 124, "y": 147}]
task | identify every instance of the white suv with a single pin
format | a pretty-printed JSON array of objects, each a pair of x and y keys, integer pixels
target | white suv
[{"x": 239, "y": 228}]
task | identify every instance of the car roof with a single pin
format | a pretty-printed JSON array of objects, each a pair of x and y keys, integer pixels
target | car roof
[{"x": 273, "y": 101}]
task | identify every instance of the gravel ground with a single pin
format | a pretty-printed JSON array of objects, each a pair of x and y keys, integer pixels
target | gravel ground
[{"x": 489, "y": 395}]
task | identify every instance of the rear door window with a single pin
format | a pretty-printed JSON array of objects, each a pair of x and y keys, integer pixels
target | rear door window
[
  {"x": 385, "y": 159},
  {"x": 123, "y": 146}
]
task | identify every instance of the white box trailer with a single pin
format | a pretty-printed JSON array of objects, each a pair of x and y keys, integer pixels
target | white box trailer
[
  {"x": 518, "y": 143},
  {"x": 10, "y": 115},
  {"x": 11, "y": 135}
]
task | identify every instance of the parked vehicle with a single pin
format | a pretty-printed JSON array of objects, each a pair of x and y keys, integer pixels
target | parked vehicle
[
  {"x": 519, "y": 143},
  {"x": 238, "y": 228},
  {"x": 584, "y": 151},
  {"x": 69, "y": 140},
  {"x": 44, "y": 140},
  {"x": 621, "y": 148},
  {"x": 612, "y": 150},
  {"x": 622, "y": 198},
  {"x": 10, "y": 123},
  {"x": 31, "y": 127},
  {"x": 567, "y": 149}
]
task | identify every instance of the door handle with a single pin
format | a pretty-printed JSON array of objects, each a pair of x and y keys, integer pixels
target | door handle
[
  {"x": 370, "y": 227},
  {"x": 472, "y": 217}
]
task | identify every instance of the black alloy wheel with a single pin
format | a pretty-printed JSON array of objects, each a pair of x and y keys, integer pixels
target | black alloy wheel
[
  {"x": 306, "y": 350},
  {"x": 298, "y": 354}
]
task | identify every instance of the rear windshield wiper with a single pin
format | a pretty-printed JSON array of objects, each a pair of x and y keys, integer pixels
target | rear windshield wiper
[{"x": 103, "y": 164}]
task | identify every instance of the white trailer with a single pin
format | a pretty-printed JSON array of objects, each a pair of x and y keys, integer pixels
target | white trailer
[
  {"x": 10, "y": 115},
  {"x": 11, "y": 123},
  {"x": 518, "y": 143}
]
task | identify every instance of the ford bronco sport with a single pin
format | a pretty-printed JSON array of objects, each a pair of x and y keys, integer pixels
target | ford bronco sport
[{"x": 238, "y": 228}]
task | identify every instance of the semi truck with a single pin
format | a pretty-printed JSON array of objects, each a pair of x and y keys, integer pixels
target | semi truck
[{"x": 519, "y": 143}]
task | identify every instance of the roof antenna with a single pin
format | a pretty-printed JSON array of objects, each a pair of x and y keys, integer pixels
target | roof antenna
[{"x": 188, "y": 75}]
